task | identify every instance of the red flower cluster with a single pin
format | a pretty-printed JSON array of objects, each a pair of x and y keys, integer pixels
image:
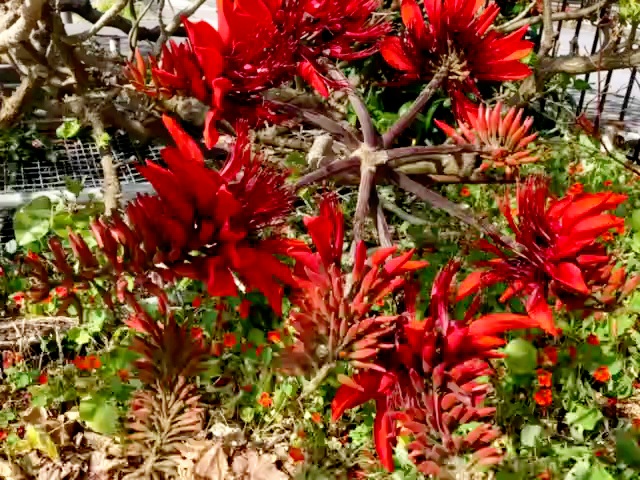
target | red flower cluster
[
  {"x": 505, "y": 137},
  {"x": 556, "y": 252},
  {"x": 428, "y": 382},
  {"x": 259, "y": 44},
  {"x": 218, "y": 214},
  {"x": 90, "y": 362},
  {"x": 332, "y": 312},
  {"x": 459, "y": 33}
]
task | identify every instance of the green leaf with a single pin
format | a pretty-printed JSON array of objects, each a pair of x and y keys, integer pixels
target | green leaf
[
  {"x": 530, "y": 435},
  {"x": 79, "y": 336},
  {"x": 599, "y": 473},
  {"x": 580, "y": 84},
  {"x": 100, "y": 415},
  {"x": 586, "y": 418},
  {"x": 256, "y": 336},
  {"x": 32, "y": 221},
  {"x": 247, "y": 414},
  {"x": 74, "y": 186},
  {"x": 41, "y": 441},
  {"x": 628, "y": 449},
  {"x": 521, "y": 356},
  {"x": 69, "y": 128}
]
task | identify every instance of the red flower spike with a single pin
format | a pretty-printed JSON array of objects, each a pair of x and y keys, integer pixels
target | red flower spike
[
  {"x": 556, "y": 254},
  {"x": 332, "y": 309},
  {"x": 441, "y": 355},
  {"x": 504, "y": 136},
  {"x": 458, "y": 31}
]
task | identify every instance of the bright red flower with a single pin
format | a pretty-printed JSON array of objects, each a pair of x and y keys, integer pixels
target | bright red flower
[
  {"x": 332, "y": 312},
  {"x": 244, "y": 309},
  {"x": 504, "y": 136},
  {"x": 575, "y": 189},
  {"x": 3, "y": 434},
  {"x": 465, "y": 192},
  {"x": 607, "y": 183},
  {"x": 259, "y": 44},
  {"x": 545, "y": 378},
  {"x": 457, "y": 32},
  {"x": 61, "y": 292},
  {"x": 18, "y": 298},
  {"x": 220, "y": 214},
  {"x": 432, "y": 356},
  {"x": 602, "y": 374},
  {"x": 43, "y": 378},
  {"x": 554, "y": 253},
  {"x": 316, "y": 417},
  {"x": 230, "y": 340},
  {"x": 274, "y": 336},
  {"x": 593, "y": 339},
  {"x": 197, "y": 302},
  {"x": 543, "y": 397},
  {"x": 90, "y": 362},
  {"x": 296, "y": 454}
]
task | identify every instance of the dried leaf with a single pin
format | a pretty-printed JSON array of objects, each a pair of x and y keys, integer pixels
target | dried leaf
[
  {"x": 213, "y": 464},
  {"x": 253, "y": 466}
]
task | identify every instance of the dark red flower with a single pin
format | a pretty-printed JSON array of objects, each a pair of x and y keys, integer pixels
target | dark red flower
[
  {"x": 441, "y": 355},
  {"x": 259, "y": 44},
  {"x": 459, "y": 33},
  {"x": 593, "y": 339},
  {"x": 43, "y": 378},
  {"x": 221, "y": 215},
  {"x": 555, "y": 252}
]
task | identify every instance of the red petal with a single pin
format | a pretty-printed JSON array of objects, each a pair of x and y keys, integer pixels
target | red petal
[
  {"x": 393, "y": 52},
  {"x": 187, "y": 145},
  {"x": 496, "y": 323},
  {"x": 311, "y": 75},
  {"x": 470, "y": 285},
  {"x": 538, "y": 309},
  {"x": 570, "y": 275},
  {"x": 383, "y": 433}
]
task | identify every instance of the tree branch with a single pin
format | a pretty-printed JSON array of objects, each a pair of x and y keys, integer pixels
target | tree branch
[
  {"x": 19, "y": 31},
  {"x": 555, "y": 17},
  {"x": 103, "y": 21},
  {"x": 84, "y": 9},
  {"x": 546, "y": 43},
  {"x": 407, "y": 119},
  {"x": 575, "y": 65},
  {"x": 175, "y": 23}
]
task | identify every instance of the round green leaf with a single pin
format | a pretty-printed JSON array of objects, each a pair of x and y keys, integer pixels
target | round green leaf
[
  {"x": 635, "y": 220},
  {"x": 32, "y": 221},
  {"x": 522, "y": 357}
]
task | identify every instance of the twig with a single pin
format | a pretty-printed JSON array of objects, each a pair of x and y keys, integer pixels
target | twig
[
  {"x": 546, "y": 44},
  {"x": 334, "y": 168},
  {"x": 365, "y": 189},
  {"x": 135, "y": 29},
  {"x": 400, "y": 213},
  {"x": 174, "y": 24},
  {"x": 382, "y": 227},
  {"x": 505, "y": 26},
  {"x": 369, "y": 133},
  {"x": 576, "y": 65},
  {"x": 104, "y": 20},
  {"x": 556, "y": 17},
  {"x": 317, "y": 380},
  {"x": 111, "y": 186},
  {"x": 407, "y": 119}
]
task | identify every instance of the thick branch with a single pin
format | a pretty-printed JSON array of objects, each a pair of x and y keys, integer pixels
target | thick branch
[
  {"x": 546, "y": 44},
  {"x": 12, "y": 107},
  {"x": 175, "y": 23},
  {"x": 575, "y": 65},
  {"x": 407, "y": 119},
  {"x": 19, "y": 31},
  {"x": 556, "y": 17},
  {"x": 90, "y": 14},
  {"x": 103, "y": 21}
]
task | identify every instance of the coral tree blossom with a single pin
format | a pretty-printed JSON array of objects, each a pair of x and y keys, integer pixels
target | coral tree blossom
[
  {"x": 504, "y": 137},
  {"x": 555, "y": 252},
  {"x": 259, "y": 44},
  {"x": 459, "y": 33},
  {"x": 332, "y": 312},
  {"x": 428, "y": 384},
  {"x": 220, "y": 215}
]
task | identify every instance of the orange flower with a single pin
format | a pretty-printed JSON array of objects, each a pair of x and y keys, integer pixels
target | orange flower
[
  {"x": 274, "y": 336},
  {"x": 301, "y": 434},
  {"x": 602, "y": 374},
  {"x": 544, "y": 378},
  {"x": 607, "y": 183},
  {"x": 43, "y": 378},
  {"x": 546, "y": 475},
  {"x": 465, "y": 192},
  {"x": 123, "y": 375},
  {"x": 32, "y": 255},
  {"x": 244, "y": 309},
  {"x": 265, "y": 400},
  {"x": 196, "y": 302},
  {"x": 90, "y": 362},
  {"x": 549, "y": 355},
  {"x": 575, "y": 189},
  {"x": 316, "y": 417},
  {"x": 543, "y": 397},
  {"x": 81, "y": 363},
  {"x": 229, "y": 340},
  {"x": 593, "y": 339},
  {"x": 296, "y": 454},
  {"x": 3, "y": 435}
]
